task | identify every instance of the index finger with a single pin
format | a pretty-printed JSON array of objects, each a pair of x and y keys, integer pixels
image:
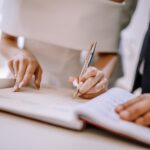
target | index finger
[
  {"x": 28, "y": 75},
  {"x": 88, "y": 84},
  {"x": 127, "y": 104},
  {"x": 91, "y": 72},
  {"x": 136, "y": 110}
]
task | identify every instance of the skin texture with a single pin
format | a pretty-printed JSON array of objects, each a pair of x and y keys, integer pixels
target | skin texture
[
  {"x": 92, "y": 83},
  {"x": 136, "y": 110},
  {"x": 22, "y": 63},
  {"x": 24, "y": 66}
]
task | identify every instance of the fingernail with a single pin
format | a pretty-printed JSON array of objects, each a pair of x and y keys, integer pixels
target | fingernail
[
  {"x": 21, "y": 84},
  {"x": 124, "y": 114}
]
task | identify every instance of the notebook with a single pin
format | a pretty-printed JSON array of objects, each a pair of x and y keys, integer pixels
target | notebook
[{"x": 57, "y": 107}]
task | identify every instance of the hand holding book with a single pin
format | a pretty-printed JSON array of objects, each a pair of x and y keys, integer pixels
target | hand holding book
[{"x": 136, "y": 110}]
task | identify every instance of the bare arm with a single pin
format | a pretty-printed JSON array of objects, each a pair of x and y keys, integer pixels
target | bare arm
[{"x": 107, "y": 62}]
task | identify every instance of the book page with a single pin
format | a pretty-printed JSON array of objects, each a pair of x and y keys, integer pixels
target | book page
[
  {"x": 51, "y": 105},
  {"x": 101, "y": 111}
]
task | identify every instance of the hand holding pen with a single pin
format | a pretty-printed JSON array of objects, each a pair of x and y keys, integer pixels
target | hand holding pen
[{"x": 91, "y": 81}]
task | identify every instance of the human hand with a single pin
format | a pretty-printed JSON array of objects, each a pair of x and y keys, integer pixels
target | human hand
[
  {"x": 24, "y": 66},
  {"x": 136, "y": 110},
  {"x": 92, "y": 83}
]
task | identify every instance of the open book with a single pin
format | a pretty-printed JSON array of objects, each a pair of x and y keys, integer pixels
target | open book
[{"x": 56, "y": 106}]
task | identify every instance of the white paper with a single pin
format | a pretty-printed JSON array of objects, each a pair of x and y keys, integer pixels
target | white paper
[
  {"x": 47, "y": 104},
  {"x": 101, "y": 111}
]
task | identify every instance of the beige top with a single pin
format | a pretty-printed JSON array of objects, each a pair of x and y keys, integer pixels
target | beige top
[
  {"x": 54, "y": 30},
  {"x": 68, "y": 23}
]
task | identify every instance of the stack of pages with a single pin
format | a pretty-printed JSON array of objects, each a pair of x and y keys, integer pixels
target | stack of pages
[{"x": 57, "y": 107}]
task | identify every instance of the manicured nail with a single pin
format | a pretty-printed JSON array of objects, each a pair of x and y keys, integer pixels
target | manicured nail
[{"x": 124, "y": 114}]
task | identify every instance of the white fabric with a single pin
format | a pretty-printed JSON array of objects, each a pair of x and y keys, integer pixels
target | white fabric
[
  {"x": 55, "y": 29},
  {"x": 132, "y": 40},
  {"x": 58, "y": 63},
  {"x": 68, "y": 23}
]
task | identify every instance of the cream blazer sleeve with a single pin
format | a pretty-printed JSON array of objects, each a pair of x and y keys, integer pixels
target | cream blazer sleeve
[{"x": 68, "y": 23}]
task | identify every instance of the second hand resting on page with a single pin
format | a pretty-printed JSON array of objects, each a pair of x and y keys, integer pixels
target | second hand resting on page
[
  {"x": 24, "y": 66},
  {"x": 136, "y": 110}
]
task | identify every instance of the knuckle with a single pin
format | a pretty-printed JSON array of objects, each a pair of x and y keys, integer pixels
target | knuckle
[
  {"x": 92, "y": 69},
  {"x": 105, "y": 80},
  {"x": 97, "y": 88},
  {"x": 126, "y": 105},
  {"x": 82, "y": 90},
  {"x": 100, "y": 74}
]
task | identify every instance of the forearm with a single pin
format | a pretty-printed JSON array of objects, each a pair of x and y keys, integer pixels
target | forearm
[
  {"x": 110, "y": 67},
  {"x": 8, "y": 45},
  {"x": 107, "y": 63}
]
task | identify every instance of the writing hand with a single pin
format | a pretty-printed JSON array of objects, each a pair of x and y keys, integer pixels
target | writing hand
[{"x": 92, "y": 83}]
